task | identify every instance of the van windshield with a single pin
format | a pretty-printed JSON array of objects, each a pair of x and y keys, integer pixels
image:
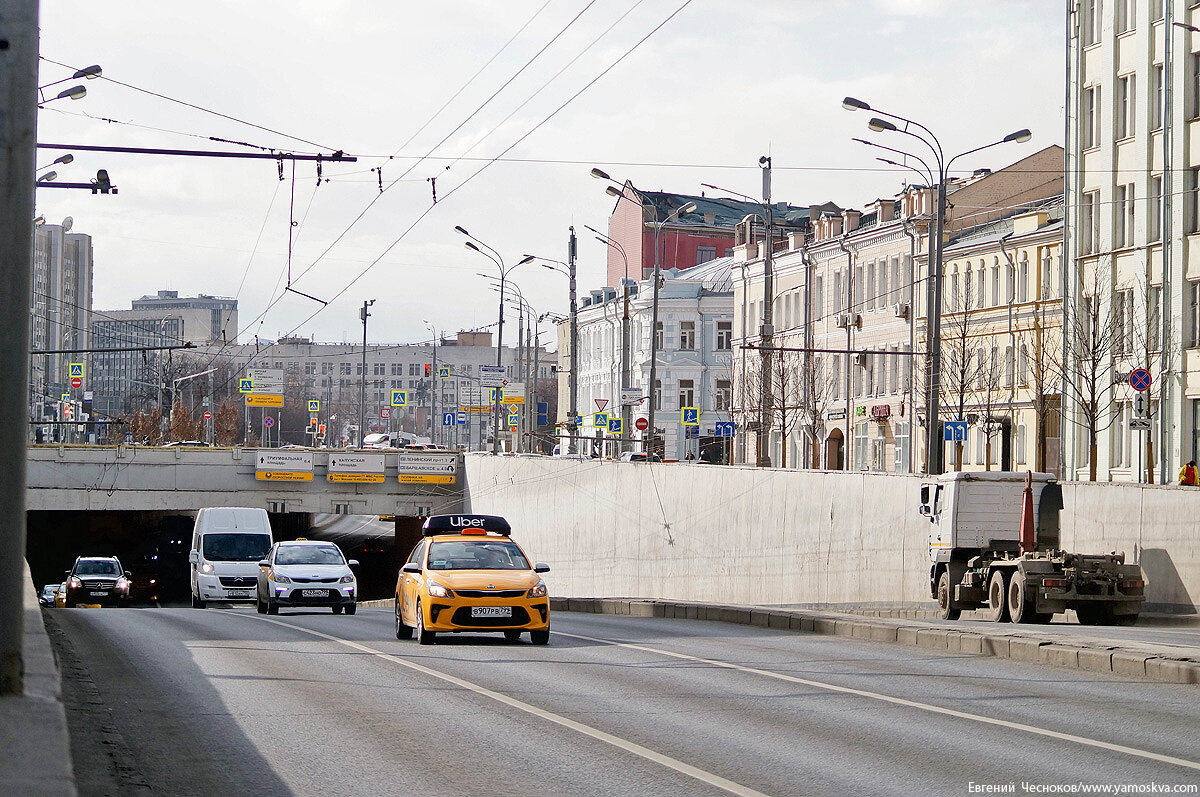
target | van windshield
[{"x": 236, "y": 547}]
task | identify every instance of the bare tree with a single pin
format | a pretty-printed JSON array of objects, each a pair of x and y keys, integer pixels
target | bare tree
[
  {"x": 989, "y": 396},
  {"x": 787, "y": 374},
  {"x": 962, "y": 370},
  {"x": 1039, "y": 347},
  {"x": 1092, "y": 331},
  {"x": 816, "y": 399}
]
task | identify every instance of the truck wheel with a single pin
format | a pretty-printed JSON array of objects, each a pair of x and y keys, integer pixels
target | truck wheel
[
  {"x": 1095, "y": 615},
  {"x": 947, "y": 607},
  {"x": 1020, "y": 603},
  {"x": 998, "y": 597}
]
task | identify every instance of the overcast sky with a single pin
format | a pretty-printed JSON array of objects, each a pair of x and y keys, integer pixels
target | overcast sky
[{"x": 699, "y": 101}]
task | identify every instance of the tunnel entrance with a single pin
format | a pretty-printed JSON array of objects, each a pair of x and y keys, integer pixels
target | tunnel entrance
[{"x": 153, "y": 546}]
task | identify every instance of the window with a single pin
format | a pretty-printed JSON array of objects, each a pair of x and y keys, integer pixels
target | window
[
  {"x": 1156, "y": 10},
  {"x": 1023, "y": 375},
  {"x": 1123, "y": 216},
  {"x": 1009, "y": 282},
  {"x": 687, "y": 393},
  {"x": 838, "y": 291},
  {"x": 1193, "y": 315},
  {"x": 1125, "y": 16},
  {"x": 969, "y": 287},
  {"x": 723, "y": 395},
  {"x": 1047, "y": 277},
  {"x": 955, "y": 292},
  {"x": 705, "y": 254},
  {"x": 1023, "y": 279},
  {"x": 870, "y": 287},
  {"x": 1123, "y": 123},
  {"x": 1154, "y": 209},
  {"x": 1193, "y": 200},
  {"x": 1090, "y": 222},
  {"x": 658, "y": 336},
  {"x": 857, "y": 294},
  {"x": 981, "y": 286},
  {"x": 837, "y": 376},
  {"x": 884, "y": 293},
  {"x": 1008, "y": 366},
  {"x": 1122, "y": 311},
  {"x": 397, "y": 369},
  {"x": 412, "y": 369},
  {"x": 995, "y": 285},
  {"x": 860, "y": 446},
  {"x": 724, "y": 335},
  {"x": 1195, "y": 104},
  {"x": 818, "y": 297},
  {"x": 902, "y": 448},
  {"x": 1156, "y": 88},
  {"x": 1089, "y": 23},
  {"x": 1121, "y": 414},
  {"x": 1088, "y": 117},
  {"x": 657, "y": 394},
  {"x": 1154, "y": 316},
  {"x": 687, "y": 335}
]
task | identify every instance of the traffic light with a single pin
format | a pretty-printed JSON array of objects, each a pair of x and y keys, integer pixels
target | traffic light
[{"x": 428, "y": 369}]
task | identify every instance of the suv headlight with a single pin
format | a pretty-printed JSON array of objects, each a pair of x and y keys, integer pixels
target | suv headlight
[
  {"x": 74, "y": 583},
  {"x": 539, "y": 590},
  {"x": 280, "y": 578},
  {"x": 123, "y": 584},
  {"x": 347, "y": 579},
  {"x": 436, "y": 590}
]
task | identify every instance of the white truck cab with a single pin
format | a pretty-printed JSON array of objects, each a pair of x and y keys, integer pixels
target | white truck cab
[
  {"x": 973, "y": 512},
  {"x": 227, "y": 544}
]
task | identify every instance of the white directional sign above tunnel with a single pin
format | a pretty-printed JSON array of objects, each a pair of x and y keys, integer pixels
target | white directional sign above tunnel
[
  {"x": 284, "y": 466},
  {"x": 427, "y": 468},
  {"x": 358, "y": 468}
]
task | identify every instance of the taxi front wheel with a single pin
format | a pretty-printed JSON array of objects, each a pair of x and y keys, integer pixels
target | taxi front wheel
[
  {"x": 539, "y": 637},
  {"x": 402, "y": 631},
  {"x": 423, "y": 637}
]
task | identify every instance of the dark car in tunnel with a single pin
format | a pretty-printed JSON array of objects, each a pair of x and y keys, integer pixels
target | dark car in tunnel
[{"x": 97, "y": 580}]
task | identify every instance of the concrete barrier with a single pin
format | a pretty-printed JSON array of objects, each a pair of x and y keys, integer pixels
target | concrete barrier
[
  {"x": 35, "y": 750},
  {"x": 692, "y": 532}
]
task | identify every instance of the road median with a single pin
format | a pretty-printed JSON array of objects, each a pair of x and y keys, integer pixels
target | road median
[{"x": 1121, "y": 657}]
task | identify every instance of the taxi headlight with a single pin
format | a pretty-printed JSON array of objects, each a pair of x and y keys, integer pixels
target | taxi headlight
[
  {"x": 436, "y": 590},
  {"x": 539, "y": 591},
  {"x": 348, "y": 579},
  {"x": 280, "y": 578}
]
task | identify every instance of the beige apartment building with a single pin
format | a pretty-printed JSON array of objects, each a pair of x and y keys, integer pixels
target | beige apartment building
[
  {"x": 849, "y": 291},
  {"x": 1133, "y": 247}
]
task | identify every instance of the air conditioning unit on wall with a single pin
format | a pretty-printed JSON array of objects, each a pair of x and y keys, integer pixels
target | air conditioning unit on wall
[{"x": 900, "y": 309}]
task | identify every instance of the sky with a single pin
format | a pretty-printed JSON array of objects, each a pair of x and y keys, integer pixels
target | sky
[{"x": 508, "y": 105}]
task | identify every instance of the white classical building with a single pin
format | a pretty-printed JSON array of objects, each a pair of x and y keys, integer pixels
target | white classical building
[{"x": 694, "y": 360}]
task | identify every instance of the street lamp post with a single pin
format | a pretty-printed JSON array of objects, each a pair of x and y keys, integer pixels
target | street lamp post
[
  {"x": 934, "y": 451},
  {"x": 625, "y": 339},
  {"x": 658, "y": 225},
  {"x": 364, "y": 314},
  {"x": 494, "y": 256},
  {"x": 573, "y": 373}
]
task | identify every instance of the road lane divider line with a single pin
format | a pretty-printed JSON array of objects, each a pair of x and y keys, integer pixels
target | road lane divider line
[
  {"x": 899, "y": 701},
  {"x": 558, "y": 719}
]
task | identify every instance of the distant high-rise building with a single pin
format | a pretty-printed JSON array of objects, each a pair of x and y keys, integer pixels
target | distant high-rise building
[{"x": 60, "y": 306}]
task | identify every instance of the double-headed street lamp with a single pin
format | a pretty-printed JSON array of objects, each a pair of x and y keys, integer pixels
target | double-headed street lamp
[
  {"x": 568, "y": 270},
  {"x": 658, "y": 225},
  {"x": 934, "y": 449},
  {"x": 494, "y": 256}
]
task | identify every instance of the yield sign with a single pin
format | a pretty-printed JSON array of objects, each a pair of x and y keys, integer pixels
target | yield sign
[{"x": 601, "y": 404}]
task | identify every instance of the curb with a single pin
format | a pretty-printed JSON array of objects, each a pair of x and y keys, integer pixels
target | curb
[{"x": 1035, "y": 648}]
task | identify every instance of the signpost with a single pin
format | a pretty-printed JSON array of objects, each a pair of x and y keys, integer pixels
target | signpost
[
  {"x": 207, "y": 415},
  {"x": 600, "y": 420},
  {"x": 614, "y": 425},
  {"x": 245, "y": 385},
  {"x": 385, "y": 412},
  {"x": 399, "y": 398},
  {"x": 1140, "y": 379},
  {"x": 642, "y": 424},
  {"x": 265, "y": 400},
  {"x": 631, "y": 395},
  {"x": 76, "y": 370},
  {"x": 689, "y": 416},
  {"x": 725, "y": 428},
  {"x": 448, "y": 418},
  {"x": 283, "y": 466},
  {"x": 269, "y": 421},
  {"x": 492, "y": 375},
  {"x": 427, "y": 468},
  {"x": 601, "y": 404},
  {"x": 356, "y": 468},
  {"x": 76, "y": 382},
  {"x": 955, "y": 431},
  {"x": 314, "y": 406},
  {"x": 443, "y": 372}
]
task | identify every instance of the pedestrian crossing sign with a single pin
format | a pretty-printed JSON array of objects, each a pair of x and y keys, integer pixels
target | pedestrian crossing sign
[
  {"x": 600, "y": 420},
  {"x": 399, "y": 398},
  {"x": 614, "y": 425},
  {"x": 443, "y": 372},
  {"x": 245, "y": 385}
]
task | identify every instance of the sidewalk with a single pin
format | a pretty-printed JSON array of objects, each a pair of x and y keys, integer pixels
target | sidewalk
[
  {"x": 1170, "y": 663},
  {"x": 35, "y": 750}
]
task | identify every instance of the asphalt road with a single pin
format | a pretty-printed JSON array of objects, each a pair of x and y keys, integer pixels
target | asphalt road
[
  {"x": 1160, "y": 630},
  {"x": 185, "y": 701}
]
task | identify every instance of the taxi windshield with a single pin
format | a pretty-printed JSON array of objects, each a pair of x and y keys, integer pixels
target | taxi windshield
[
  {"x": 308, "y": 555},
  {"x": 497, "y": 555}
]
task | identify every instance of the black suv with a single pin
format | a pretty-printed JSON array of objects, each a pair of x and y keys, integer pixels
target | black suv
[{"x": 97, "y": 579}]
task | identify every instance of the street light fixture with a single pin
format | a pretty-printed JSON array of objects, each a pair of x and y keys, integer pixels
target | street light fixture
[
  {"x": 47, "y": 177},
  {"x": 934, "y": 451}
]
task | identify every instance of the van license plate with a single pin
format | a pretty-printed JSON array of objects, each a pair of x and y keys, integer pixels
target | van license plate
[
  {"x": 314, "y": 593},
  {"x": 491, "y": 611},
  {"x": 97, "y": 593}
]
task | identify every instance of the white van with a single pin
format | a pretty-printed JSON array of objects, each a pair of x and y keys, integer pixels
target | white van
[{"x": 227, "y": 544}]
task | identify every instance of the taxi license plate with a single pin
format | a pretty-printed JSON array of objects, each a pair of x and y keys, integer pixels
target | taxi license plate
[
  {"x": 314, "y": 593},
  {"x": 491, "y": 611},
  {"x": 97, "y": 593}
]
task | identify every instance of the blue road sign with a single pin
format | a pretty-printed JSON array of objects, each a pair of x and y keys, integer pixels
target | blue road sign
[
  {"x": 689, "y": 416},
  {"x": 245, "y": 385},
  {"x": 449, "y": 418},
  {"x": 462, "y": 418},
  {"x": 1139, "y": 379},
  {"x": 725, "y": 428},
  {"x": 443, "y": 372},
  {"x": 955, "y": 431},
  {"x": 691, "y": 432},
  {"x": 614, "y": 425},
  {"x": 268, "y": 421},
  {"x": 314, "y": 405},
  {"x": 543, "y": 414},
  {"x": 399, "y": 398}
]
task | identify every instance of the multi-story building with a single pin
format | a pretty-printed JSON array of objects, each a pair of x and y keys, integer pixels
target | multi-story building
[
  {"x": 60, "y": 306},
  {"x": 849, "y": 322},
  {"x": 695, "y": 336},
  {"x": 688, "y": 239},
  {"x": 1133, "y": 243},
  {"x": 123, "y": 378}
]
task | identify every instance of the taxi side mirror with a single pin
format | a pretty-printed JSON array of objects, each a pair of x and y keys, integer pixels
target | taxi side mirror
[
  {"x": 541, "y": 567},
  {"x": 411, "y": 567},
  {"x": 352, "y": 563}
]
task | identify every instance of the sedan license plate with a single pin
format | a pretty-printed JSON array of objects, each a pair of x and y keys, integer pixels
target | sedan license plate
[
  {"x": 491, "y": 611},
  {"x": 314, "y": 593},
  {"x": 97, "y": 594}
]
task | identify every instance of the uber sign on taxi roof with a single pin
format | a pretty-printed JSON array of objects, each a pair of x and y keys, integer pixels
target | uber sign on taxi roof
[{"x": 455, "y": 524}]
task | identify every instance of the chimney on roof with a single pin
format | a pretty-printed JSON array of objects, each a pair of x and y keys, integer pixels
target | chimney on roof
[
  {"x": 852, "y": 218},
  {"x": 885, "y": 210},
  {"x": 981, "y": 173},
  {"x": 814, "y": 212}
]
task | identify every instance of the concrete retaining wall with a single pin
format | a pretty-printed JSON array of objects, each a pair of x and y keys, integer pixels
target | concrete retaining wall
[{"x": 697, "y": 532}]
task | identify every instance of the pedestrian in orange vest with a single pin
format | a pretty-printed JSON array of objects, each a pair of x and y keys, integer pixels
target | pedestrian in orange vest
[{"x": 1187, "y": 474}]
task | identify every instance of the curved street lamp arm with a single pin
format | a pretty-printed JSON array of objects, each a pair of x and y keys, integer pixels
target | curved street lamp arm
[
  {"x": 928, "y": 174},
  {"x": 936, "y": 145},
  {"x": 1004, "y": 140}
]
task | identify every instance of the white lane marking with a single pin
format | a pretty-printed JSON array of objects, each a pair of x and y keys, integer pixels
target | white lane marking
[
  {"x": 899, "y": 701},
  {"x": 558, "y": 719}
]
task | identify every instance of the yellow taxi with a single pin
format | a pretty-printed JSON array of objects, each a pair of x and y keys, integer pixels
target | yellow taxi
[{"x": 467, "y": 575}]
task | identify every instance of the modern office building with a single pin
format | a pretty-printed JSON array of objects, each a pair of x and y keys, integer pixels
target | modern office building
[{"x": 60, "y": 306}]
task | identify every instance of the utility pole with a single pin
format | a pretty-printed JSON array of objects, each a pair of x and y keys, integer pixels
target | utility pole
[
  {"x": 364, "y": 314},
  {"x": 765, "y": 414},
  {"x": 18, "y": 140},
  {"x": 573, "y": 375},
  {"x": 435, "y": 386}
]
